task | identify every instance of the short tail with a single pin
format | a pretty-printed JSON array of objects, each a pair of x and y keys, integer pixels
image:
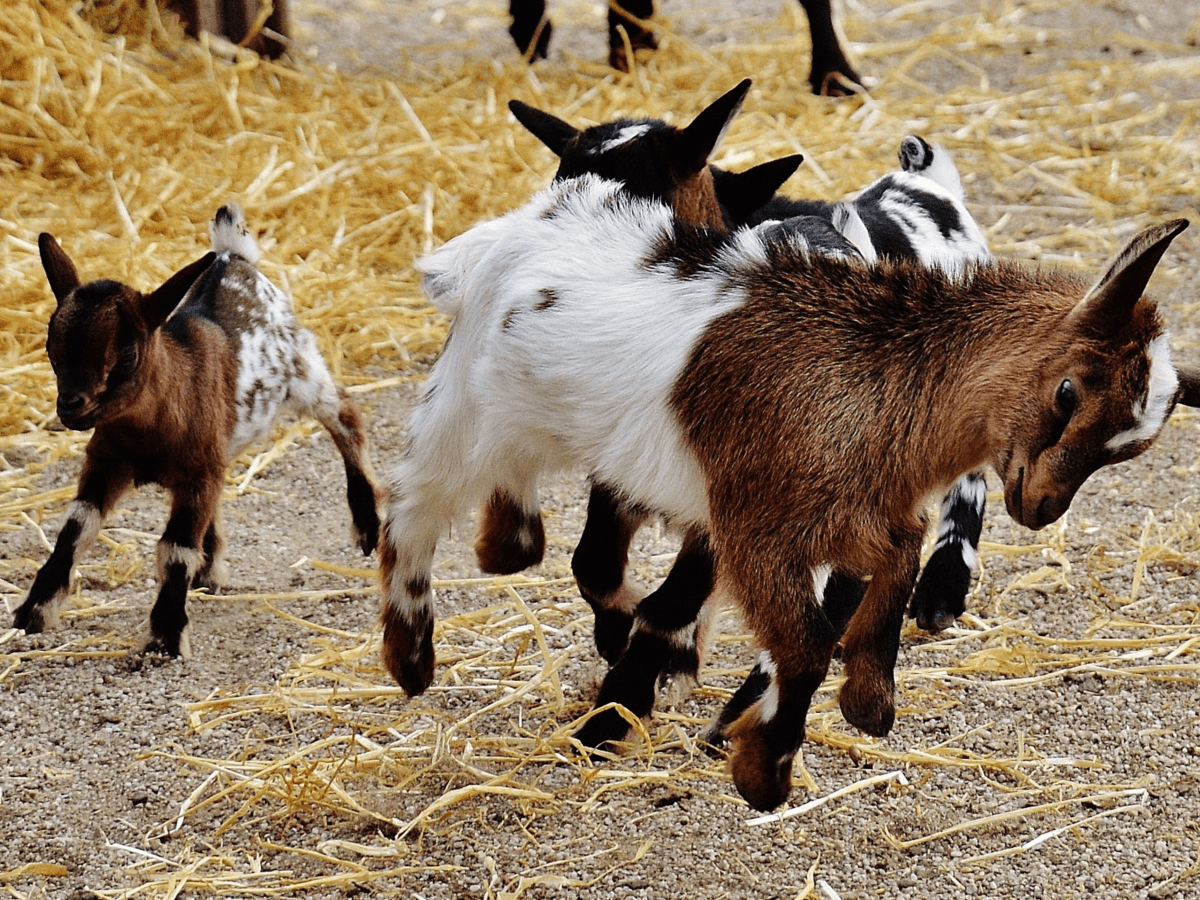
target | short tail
[
  {"x": 922, "y": 158},
  {"x": 230, "y": 235}
]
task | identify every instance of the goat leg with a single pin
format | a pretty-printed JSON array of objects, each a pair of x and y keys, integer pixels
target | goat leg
[
  {"x": 941, "y": 593},
  {"x": 100, "y": 486},
  {"x": 599, "y": 564},
  {"x": 664, "y": 626},
  {"x": 872, "y": 638}
]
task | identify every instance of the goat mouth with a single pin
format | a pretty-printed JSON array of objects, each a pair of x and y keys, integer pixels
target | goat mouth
[
  {"x": 1016, "y": 498},
  {"x": 78, "y": 421}
]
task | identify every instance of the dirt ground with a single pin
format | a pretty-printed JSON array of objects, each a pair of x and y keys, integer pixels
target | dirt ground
[{"x": 1047, "y": 748}]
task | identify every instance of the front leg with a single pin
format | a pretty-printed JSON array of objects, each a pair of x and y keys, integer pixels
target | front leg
[
  {"x": 180, "y": 559},
  {"x": 783, "y": 609},
  {"x": 941, "y": 594},
  {"x": 842, "y": 595},
  {"x": 100, "y": 486},
  {"x": 872, "y": 638}
]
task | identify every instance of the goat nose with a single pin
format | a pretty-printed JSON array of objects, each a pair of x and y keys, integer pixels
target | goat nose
[{"x": 69, "y": 403}]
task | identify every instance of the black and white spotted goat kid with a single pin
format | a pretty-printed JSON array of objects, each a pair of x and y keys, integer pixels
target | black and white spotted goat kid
[{"x": 176, "y": 383}]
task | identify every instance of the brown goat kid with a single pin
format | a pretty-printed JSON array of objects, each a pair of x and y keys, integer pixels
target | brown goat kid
[
  {"x": 176, "y": 383},
  {"x": 798, "y": 409}
]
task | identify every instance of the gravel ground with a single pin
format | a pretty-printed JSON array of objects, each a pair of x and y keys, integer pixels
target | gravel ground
[{"x": 95, "y": 745}]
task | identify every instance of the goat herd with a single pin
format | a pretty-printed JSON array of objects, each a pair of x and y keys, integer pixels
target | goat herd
[{"x": 786, "y": 382}]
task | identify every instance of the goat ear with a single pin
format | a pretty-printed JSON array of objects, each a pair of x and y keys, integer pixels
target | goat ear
[
  {"x": 1189, "y": 386},
  {"x": 60, "y": 271},
  {"x": 741, "y": 193},
  {"x": 693, "y": 146},
  {"x": 550, "y": 130},
  {"x": 160, "y": 303},
  {"x": 1108, "y": 305}
]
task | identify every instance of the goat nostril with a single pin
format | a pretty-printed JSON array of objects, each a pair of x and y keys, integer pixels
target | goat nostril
[{"x": 70, "y": 403}]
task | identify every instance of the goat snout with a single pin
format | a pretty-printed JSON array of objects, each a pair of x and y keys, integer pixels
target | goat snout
[
  {"x": 74, "y": 412},
  {"x": 1036, "y": 506}
]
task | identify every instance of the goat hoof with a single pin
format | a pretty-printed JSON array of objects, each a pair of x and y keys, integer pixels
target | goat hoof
[
  {"x": 612, "y": 634},
  {"x": 760, "y": 774},
  {"x": 367, "y": 536},
  {"x": 173, "y": 646},
  {"x": 714, "y": 742},
  {"x": 871, "y": 710},
  {"x": 408, "y": 652},
  {"x": 30, "y": 619},
  {"x": 603, "y": 729}
]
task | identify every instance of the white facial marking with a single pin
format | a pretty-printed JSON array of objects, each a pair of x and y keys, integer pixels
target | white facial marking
[
  {"x": 1151, "y": 411},
  {"x": 624, "y": 136}
]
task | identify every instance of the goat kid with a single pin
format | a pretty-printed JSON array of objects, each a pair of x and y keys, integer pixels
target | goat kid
[
  {"x": 727, "y": 382},
  {"x": 918, "y": 213},
  {"x": 176, "y": 383},
  {"x": 655, "y": 161}
]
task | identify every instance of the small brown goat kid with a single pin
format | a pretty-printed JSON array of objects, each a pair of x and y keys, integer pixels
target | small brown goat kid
[
  {"x": 798, "y": 409},
  {"x": 176, "y": 383}
]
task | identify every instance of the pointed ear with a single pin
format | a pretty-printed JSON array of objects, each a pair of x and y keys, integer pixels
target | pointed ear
[
  {"x": 60, "y": 271},
  {"x": 1189, "y": 386},
  {"x": 692, "y": 147},
  {"x": 550, "y": 130},
  {"x": 1106, "y": 308},
  {"x": 741, "y": 193},
  {"x": 159, "y": 304}
]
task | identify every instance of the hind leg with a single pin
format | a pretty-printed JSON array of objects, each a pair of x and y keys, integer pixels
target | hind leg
[
  {"x": 511, "y": 535},
  {"x": 410, "y": 531},
  {"x": 665, "y": 626},
  {"x": 313, "y": 391}
]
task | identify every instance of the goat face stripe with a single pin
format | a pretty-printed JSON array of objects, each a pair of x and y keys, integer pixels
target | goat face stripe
[{"x": 1151, "y": 411}]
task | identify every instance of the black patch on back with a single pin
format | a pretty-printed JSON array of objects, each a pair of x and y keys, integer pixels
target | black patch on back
[
  {"x": 690, "y": 250},
  {"x": 549, "y": 298},
  {"x": 819, "y": 233},
  {"x": 784, "y": 208}
]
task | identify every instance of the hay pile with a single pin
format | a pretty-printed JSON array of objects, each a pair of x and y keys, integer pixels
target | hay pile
[{"x": 121, "y": 138}]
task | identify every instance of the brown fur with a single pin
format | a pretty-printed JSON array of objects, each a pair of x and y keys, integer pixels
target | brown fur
[{"x": 923, "y": 378}]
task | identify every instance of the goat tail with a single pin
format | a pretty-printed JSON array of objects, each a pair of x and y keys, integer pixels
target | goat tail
[
  {"x": 931, "y": 160},
  {"x": 230, "y": 235}
]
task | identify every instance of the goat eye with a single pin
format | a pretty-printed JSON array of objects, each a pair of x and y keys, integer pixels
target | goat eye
[{"x": 1066, "y": 397}]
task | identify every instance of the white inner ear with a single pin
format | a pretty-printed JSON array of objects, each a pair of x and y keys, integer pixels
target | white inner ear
[{"x": 1150, "y": 412}]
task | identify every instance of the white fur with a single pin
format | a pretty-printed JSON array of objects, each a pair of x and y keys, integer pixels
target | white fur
[
  {"x": 1151, "y": 411},
  {"x": 557, "y": 411},
  {"x": 230, "y": 234}
]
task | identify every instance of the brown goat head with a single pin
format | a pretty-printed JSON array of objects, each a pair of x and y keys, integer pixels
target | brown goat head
[
  {"x": 656, "y": 160},
  {"x": 99, "y": 333},
  {"x": 1084, "y": 418}
]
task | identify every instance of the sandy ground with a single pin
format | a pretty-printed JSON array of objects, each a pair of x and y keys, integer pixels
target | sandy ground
[{"x": 108, "y": 762}]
